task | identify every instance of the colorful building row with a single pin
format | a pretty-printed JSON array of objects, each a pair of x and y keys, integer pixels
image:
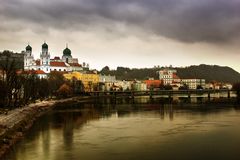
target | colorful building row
[
  {"x": 169, "y": 77},
  {"x": 91, "y": 81}
]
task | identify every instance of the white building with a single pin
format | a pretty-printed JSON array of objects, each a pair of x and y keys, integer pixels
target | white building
[
  {"x": 169, "y": 77},
  {"x": 139, "y": 86},
  {"x": 108, "y": 82},
  {"x": 193, "y": 83},
  {"x": 66, "y": 64},
  {"x": 39, "y": 73},
  {"x": 107, "y": 79},
  {"x": 125, "y": 85}
]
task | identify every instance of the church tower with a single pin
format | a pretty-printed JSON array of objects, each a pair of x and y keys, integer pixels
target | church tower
[
  {"x": 67, "y": 57},
  {"x": 45, "y": 55},
  {"x": 28, "y": 58}
]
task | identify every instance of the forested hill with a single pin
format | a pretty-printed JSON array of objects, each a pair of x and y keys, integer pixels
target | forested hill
[{"x": 208, "y": 72}]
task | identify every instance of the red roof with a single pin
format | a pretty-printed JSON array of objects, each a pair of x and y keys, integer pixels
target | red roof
[
  {"x": 175, "y": 76},
  {"x": 60, "y": 72},
  {"x": 56, "y": 58},
  {"x": 75, "y": 64},
  {"x": 58, "y": 64},
  {"x": 39, "y": 72},
  {"x": 153, "y": 83},
  {"x": 34, "y": 72}
]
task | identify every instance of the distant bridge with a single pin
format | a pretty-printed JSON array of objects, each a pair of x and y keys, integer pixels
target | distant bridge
[{"x": 168, "y": 93}]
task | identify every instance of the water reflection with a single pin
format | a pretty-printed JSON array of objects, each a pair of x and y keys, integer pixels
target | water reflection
[{"x": 143, "y": 129}]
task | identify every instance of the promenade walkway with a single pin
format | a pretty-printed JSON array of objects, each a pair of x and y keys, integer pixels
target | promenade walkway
[{"x": 16, "y": 115}]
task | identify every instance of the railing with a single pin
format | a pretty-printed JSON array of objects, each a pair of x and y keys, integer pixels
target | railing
[{"x": 168, "y": 93}]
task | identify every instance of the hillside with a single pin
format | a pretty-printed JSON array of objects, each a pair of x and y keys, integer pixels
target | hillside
[{"x": 208, "y": 72}]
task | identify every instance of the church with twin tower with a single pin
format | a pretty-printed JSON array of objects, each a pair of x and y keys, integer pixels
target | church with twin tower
[{"x": 45, "y": 64}]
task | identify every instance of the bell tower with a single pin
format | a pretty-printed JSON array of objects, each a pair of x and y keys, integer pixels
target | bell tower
[
  {"x": 45, "y": 55},
  {"x": 28, "y": 58}
]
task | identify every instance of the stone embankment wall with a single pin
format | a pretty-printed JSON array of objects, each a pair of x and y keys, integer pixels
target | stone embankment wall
[{"x": 18, "y": 121}]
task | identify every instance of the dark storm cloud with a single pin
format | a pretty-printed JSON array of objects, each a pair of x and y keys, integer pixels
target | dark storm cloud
[{"x": 184, "y": 20}]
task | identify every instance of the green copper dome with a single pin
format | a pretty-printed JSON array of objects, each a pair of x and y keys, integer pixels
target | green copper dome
[
  {"x": 28, "y": 48},
  {"x": 67, "y": 52},
  {"x": 45, "y": 45}
]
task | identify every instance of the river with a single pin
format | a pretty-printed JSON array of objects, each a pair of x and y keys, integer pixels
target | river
[{"x": 150, "y": 130}]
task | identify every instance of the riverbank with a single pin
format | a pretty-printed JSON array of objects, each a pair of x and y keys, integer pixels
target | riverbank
[
  {"x": 14, "y": 125},
  {"x": 18, "y": 121}
]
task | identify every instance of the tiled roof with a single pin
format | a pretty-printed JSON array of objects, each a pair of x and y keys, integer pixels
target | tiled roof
[
  {"x": 39, "y": 72},
  {"x": 75, "y": 64},
  {"x": 154, "y": 83},
  {"x": 57, "y": 64},
  {"x": 61, "y": 72},
  {"x": 34, "y": 72},
  {"x": 56, "y": 58}
]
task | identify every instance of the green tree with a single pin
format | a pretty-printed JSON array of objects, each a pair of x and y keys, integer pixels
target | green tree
[
  {"x": 168, "y": 87},
  {"x": 56, "y": 80},
  {"x": 65, "y": 90},
  {"x": 43, "y": 88},
  {"x": 199, "y": 87},
  {"x": 76, "y": 85},
  {"x": 184, "y": 87},
  {"x": 3, "y": 93},
  {"x": 9, "y": 67},
  {"x": 236, "y": 87},
  {"x": 105, "y": 70},
  {"x": 31, "y": 87}
]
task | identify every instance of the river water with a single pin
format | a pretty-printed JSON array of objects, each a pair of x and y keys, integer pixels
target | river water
[{"x": 150, "y": 130}]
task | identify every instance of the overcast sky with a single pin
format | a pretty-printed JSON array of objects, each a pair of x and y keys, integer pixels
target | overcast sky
[{"x": 130, "y": 33}]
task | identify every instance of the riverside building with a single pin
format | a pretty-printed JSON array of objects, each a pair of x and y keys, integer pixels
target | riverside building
[
  {"x": 169, "y": 77},
  {"x": 64, "y": 64}
]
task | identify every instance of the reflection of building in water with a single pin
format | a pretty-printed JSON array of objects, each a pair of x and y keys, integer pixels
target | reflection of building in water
[
  {"x": 166, "y": 110},
  {"x": 71, "y": 119}
]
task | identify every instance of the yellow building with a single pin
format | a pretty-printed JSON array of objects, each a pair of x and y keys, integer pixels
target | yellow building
[{"x": 89, "y": 80}]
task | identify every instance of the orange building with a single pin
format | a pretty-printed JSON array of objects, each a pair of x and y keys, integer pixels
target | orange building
[{"x": 153, "y": 83}]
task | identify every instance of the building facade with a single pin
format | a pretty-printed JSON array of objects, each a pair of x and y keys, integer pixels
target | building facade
[
  {"x": 194, "y": 83},
  {"x": 107, "y": 79},
  {"x": 90, "y": 80},
  {"x": 10, "y": 58},
  {"x": 169, "y": 77},
  {"x": 66, "y": 64},
  {"x": 153, "y": 84}
]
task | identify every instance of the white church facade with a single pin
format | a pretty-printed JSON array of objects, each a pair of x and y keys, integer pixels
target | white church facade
[{"x": 65, "y": 64}]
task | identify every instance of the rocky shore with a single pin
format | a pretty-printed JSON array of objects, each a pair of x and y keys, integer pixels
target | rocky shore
[{"x": 18, "y": 121}]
